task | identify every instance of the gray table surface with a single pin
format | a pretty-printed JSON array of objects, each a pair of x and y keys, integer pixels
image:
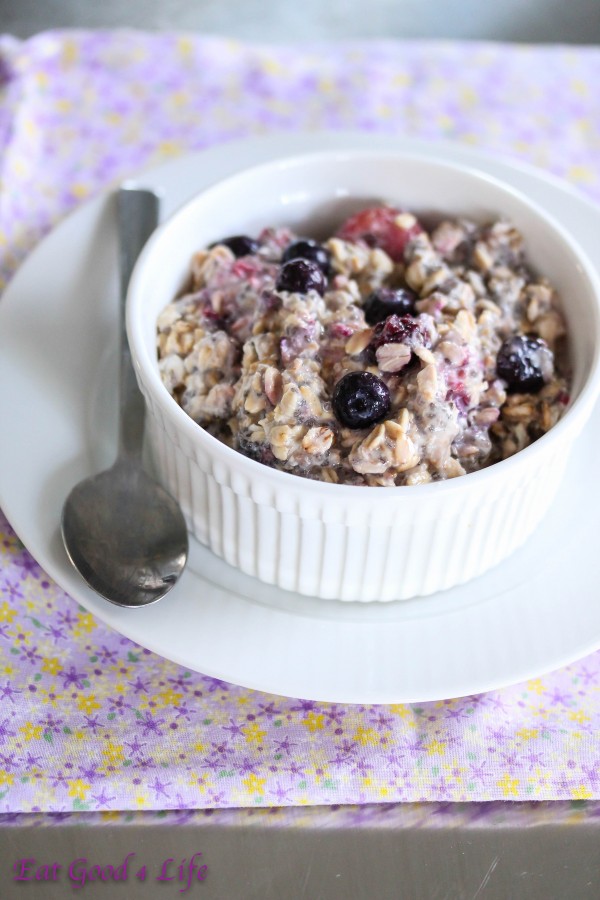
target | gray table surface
[
  {"x": 437, "y": 851},
  {"x": 555, "y": 21},
  {"x": 494, "y": 851}
]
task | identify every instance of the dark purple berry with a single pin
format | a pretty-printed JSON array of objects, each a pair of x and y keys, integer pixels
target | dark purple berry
[
  {"x": 524, "y": 363},
  {"x": 309, "y": 249},
  {"x": 360, "y": 399},
  {"x": 240, "y": 245},
  {"x": 400, "y": 330},
  {"x": 299, "y": 276},
  {"x": 386, "y": 302}
]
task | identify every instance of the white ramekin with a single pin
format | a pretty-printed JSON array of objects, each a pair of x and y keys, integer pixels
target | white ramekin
[{"x": 339, "y": 541}]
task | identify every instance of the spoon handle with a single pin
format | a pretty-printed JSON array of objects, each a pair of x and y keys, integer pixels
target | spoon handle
[{"x": 138, "y": 216}]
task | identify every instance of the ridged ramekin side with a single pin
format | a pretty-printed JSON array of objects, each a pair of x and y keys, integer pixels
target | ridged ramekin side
[{"x": 304, "y": 542}]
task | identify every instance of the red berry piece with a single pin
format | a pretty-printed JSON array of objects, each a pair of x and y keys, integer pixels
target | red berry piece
[
  {"x": 400, "y": 330},
  {"x": 378, "y": 227}
]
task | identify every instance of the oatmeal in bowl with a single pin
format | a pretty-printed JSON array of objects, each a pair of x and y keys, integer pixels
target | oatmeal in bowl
[
  {"x": 363, "y": 371},
  {"x": 386, "y": 355}
]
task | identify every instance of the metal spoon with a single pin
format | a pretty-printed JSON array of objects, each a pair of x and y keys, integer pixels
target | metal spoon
[{"x": 122, "y": 531}]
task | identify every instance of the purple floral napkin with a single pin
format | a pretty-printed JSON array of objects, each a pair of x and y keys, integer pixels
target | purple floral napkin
[{"x": 89, "y": 720}]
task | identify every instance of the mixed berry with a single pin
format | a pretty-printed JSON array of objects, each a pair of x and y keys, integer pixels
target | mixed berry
[
  {"x": 409, "y": 330},
  {"x": 524, "y": 363},
  {"x": 299, "y": 276},
  {"x": 387, "y": 301},
  {"x": 311, "y": 250},
  {"x": 240, "y": 245},
  {"x": 360, "y": 399},
  {"x": 381, "y": 226},
  {"x": 389, "y": 354}
]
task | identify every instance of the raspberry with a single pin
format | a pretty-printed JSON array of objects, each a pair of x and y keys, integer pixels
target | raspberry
[{"x": 378, "y": 227}]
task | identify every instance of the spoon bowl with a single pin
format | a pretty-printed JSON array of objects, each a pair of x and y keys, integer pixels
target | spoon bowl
[{"x": 125, "y": 535}]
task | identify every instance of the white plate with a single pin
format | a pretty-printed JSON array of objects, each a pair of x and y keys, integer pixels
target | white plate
[{"x": 536, "y": 612}]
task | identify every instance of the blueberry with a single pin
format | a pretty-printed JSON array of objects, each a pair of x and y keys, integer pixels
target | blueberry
[
  {"x": 240, "y": 245},
  {"x": 309, "y": 249},
  {"x": 299, "y": 276},
  {"x": 523, "y": 362},
  {"x": 387, "y": 301},
  {"x": 360, "y": 399}
]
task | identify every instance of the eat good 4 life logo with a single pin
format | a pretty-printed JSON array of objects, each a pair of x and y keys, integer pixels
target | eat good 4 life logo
[{"x": 80, "y": 872}]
